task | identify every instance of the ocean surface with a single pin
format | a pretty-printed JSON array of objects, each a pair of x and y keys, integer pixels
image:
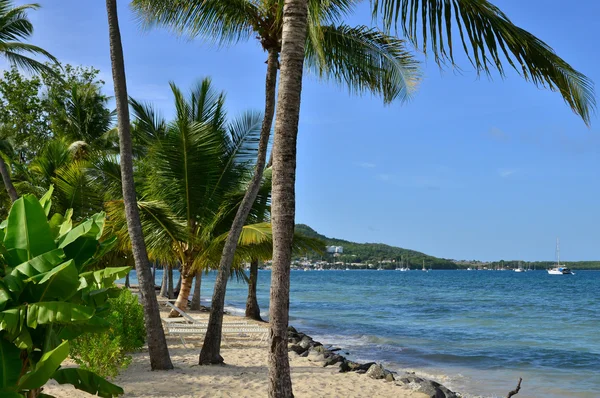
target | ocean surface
[{"x": 476, "y": 332}]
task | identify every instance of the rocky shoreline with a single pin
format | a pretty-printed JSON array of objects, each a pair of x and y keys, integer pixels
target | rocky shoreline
[{"x": 304, "y": 346}]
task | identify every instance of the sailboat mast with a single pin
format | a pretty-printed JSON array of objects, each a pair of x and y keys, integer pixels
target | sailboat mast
[{"x": 557, "y": 252}]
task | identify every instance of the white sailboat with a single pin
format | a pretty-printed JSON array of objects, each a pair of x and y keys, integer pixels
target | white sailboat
[
  {"x": 520, "y": 269},
  {"x": 424, "y": 269},
  {"x": 558, "y": 269}
]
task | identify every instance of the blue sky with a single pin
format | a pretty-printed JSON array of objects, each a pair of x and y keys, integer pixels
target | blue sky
[{"x": 471, "y": 168}]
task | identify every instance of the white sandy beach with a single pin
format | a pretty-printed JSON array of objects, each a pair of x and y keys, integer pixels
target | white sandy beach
[{"x": 244, "y": 375}]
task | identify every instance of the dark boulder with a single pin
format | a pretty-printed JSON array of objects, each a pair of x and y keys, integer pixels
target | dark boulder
[
  {"x": 429, "y": 387},
  {"x": 297, "y": 349},
  {"x": 332, "y": 360}
]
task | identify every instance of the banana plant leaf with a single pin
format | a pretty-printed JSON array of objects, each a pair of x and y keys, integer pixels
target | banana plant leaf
[
  {"x": 10, "y": 365},
  {"x": 45, "y": 368},
  {"x": 87, "y": 381},
  {"x": 57, "y": 312},
  {"x": 27, "y": 232}
]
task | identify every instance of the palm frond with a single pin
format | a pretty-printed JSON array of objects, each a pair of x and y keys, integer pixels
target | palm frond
[
  {"x": 24, "y": 62},
  {"x": 364, "y": 60},
  {"x": 148, "y": 124},
  {"x": 487, "y": 36},
  {"x": 73, "y": 189},
  {"x": 224, "y": 22},
  {"x": 188, "y": 161},
  {"x": 163, "y": 231},
  {"x": 105, "y": 175},
  {"x": 55, "y": 155},
  {"x": 245, "y": 135}
]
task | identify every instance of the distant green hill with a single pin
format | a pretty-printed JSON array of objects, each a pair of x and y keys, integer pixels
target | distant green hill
[{"x": 374, "y": 253}]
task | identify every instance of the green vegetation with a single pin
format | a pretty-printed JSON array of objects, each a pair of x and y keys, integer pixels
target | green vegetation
[
  {"x": 378, "y": 254},
  {"x": 388, "y": 257},
  {"x": 106, "y": 351},
  {"x": 48, "y": 297}
]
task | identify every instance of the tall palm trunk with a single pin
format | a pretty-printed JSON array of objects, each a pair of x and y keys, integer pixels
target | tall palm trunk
[
  {"x": 157, "y": 344},
  {"x": 165, "y": 283},
  {"x": 10, "y": 188},
  {"x": 186, "y": 278},
  {"x": 197, "y": 287},
  {"x": 283, "y": 207},
  {"x": 170, "y": 291},
  {"x": 252, "y": 308},
  {"x": 211, "y": 349}
]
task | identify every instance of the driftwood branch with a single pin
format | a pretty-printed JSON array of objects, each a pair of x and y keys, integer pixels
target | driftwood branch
[{"x": 516, "y": 390}]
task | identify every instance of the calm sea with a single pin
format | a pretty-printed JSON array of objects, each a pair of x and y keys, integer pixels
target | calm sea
[{"x": 476, "y": 332}]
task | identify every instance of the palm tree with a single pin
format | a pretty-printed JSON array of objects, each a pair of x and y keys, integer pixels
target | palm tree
[
  {"x": 190, "y": 178},
  {"x": 363, "y": 59},
  {"x": 489, "y": 33},
  {"x": 15, "y": 27},
  {"x": 157, "y": 344}
]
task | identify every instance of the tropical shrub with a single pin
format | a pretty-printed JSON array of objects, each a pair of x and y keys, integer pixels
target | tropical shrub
[
  {"x": 47, "y": 297},
  {"x": 105, "y": 352}
]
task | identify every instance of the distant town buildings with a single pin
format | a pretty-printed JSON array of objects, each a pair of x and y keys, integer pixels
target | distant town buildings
[{"x": 335, "y": 249}]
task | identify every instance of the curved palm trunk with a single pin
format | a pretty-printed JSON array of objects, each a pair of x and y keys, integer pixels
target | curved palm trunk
[
  {"x": 283, "y": 206},
  {"x": 196, "y": 298},
  {"x": 252, "y": 308},
  {"x": 186, "y": 280},
  {"x": 211, "y": 349},
  {"x": 157, "y": 344},
  {"x": 10, "y": 188}
]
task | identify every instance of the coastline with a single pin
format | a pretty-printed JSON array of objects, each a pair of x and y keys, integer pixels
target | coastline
[{"x": 246, "y": 374}]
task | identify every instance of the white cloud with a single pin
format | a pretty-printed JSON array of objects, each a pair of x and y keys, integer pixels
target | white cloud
[
  {"x": 504, "y": 173},
  {"x": 367, "y": 165},
  {"x": 384, "y": 177}
]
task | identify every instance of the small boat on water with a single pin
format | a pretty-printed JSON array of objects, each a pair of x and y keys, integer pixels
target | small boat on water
[
  {"x": 424, "y": 269},
  {"x": 520, "y": 269},
  {"x": 558, "y": 269}
]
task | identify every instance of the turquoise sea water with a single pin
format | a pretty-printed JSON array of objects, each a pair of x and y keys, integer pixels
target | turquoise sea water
[{"x": 476, "y": 332}]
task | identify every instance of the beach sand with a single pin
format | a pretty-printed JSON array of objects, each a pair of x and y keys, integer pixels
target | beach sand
[{"x": 244, "y": 375}]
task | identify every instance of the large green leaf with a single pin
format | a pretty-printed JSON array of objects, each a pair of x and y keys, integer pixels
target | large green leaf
[
  {"x": 87, "y": 381},
  {"x": 12, "y": 394},
  {"x": 27, "y": 232},
  {"x": 12, "y": 322},
  {"x": 82, "y": 250},
  {"x": 10, "y": 365},
  {"x": 96, "y": 324},
  {"x": 91, "y": 228},
  {"x": 104, "y": 248},
  {"x": 67, "y": 224},
  {"x": 99, "y": 297},
  {"x": 46, "y": 200},
  {"x": 59, "y": 283},
  {"x": 104, "y": 277},
  {"x": 45, "y": 368},
  {"x": 55, "y": 223},
  {"x": 57, "y": 312},
  {"x": 40, "y": 264},
  {"x": 4, "y": 295},
  {"x": 14, "y": 284}
]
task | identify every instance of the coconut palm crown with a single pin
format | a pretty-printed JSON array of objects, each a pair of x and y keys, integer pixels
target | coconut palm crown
[
  {"x": 15, "y": 28},
  {"x": 363, "y": 59}
]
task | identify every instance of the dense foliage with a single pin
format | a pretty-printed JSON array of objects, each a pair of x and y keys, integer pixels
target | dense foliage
[
  {"x": 106, "y": 351},
  {"x": 48, "y": 297}
]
